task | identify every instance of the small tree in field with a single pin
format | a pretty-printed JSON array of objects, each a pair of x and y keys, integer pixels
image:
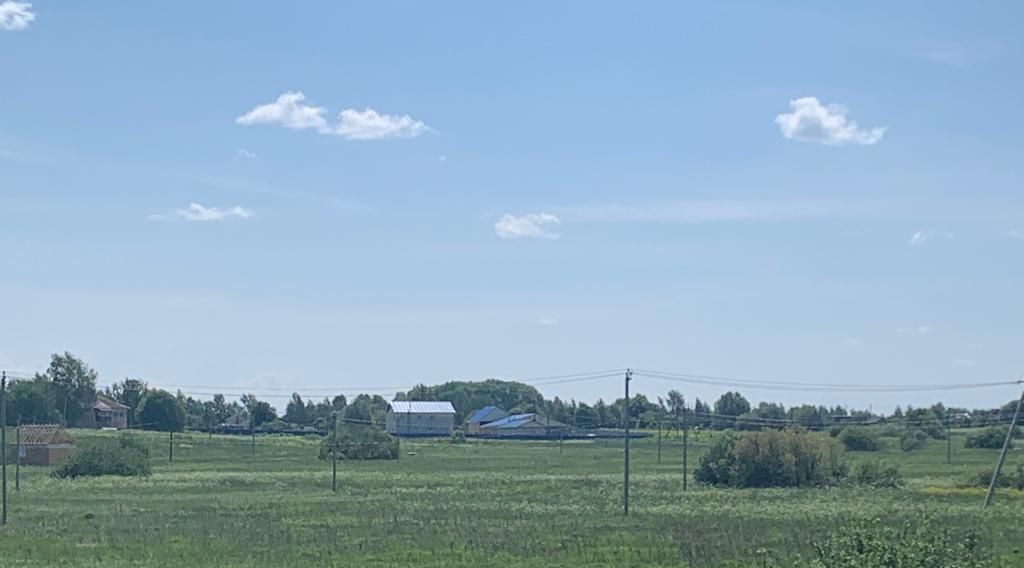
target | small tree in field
[
  {"x": 160, "y": 410},
  {"x": 991, "y": 438},
  {"x": 859, "y": 440},
  {"x": 772, "y": 458}
]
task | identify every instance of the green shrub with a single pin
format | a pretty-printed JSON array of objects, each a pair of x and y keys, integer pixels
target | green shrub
[
  {"x": 859, "y": 440},
  {"x": 359, "y": 442},
  {"x": 124, "y": 456},
  {"x": 876, "y": 473},
  {"x": 1013, "y": 479},
  {"x": 772, "y": 458},
  {"x": 834, "y": 431},
  {"x": 991, "y": 438},
  {"x": 889, "y": 431},
  {"x": 457, "y": 437},
  {"x": 923, "y": 546},
  {"x": 913, "y": 439}
]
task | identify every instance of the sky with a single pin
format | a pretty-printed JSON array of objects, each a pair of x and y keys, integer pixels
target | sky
[{"x": 362, "y": 196}]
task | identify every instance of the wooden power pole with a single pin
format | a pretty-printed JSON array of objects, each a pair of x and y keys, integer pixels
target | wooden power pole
[
  {"x": 1002, "y": 454},
  {"x": 625, "y": 471}
]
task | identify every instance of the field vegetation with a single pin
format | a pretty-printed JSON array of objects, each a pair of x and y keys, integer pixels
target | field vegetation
[{"x": 513, "y": 503}]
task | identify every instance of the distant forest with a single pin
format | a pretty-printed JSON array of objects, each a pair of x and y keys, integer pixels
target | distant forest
[{"x": 67, "y": 390}]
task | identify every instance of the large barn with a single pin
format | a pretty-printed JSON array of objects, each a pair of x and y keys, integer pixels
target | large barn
[{"x": 420, "y": 418}]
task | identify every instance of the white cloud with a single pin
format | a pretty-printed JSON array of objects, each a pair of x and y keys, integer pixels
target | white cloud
[
  {"x": 291, "y": 111},
  {"x": 16, "y": 16},
  {"x": 197, "y": 212},
  {"x": 853, "y": 342},
  {"x": 964, "y": 363},
  {"x": 442, "y": 158},
  {"x": 811, "y": 121},
  {"x": 368, "y": 124},
  {"x": 919, "y": 329},
  {"x": 243, "y": 153},
  {"x": 533, "y": 225},
  {"x": 547, "y": 321},
  {"x": 1015, "y": 234},
  {"x": 923, "y": 237}
]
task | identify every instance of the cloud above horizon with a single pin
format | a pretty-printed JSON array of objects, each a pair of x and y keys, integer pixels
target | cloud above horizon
[
  {"x": 291, "y": 111},
  {"x": 810, "y": 121},
  {"x": 923, "y": 237},
  {"x": 531, "y": 225},
  {"x": 197, "y": 212},
  {"x": 16, "y": 16}
]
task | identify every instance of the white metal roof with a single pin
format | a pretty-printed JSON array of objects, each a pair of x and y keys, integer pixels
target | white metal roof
[{"x": 422, "y": 407}]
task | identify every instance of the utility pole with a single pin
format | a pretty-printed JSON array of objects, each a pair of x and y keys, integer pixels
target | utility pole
[
  {"x": 3, "y": 443},
  {"x": 334, "y": 454},
  {"x": 949, "y": 445},
  {"x": 659, "y": 441},
  {"x": 686, "y": 440},
  {"x": 1002, "y": 454},
  {"x": 625, "y": 474},
  {"x": 17, "y": 459},
  {"x": 170, "y": 446}
]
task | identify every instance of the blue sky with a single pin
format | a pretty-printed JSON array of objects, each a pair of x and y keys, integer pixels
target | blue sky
[{"x": 403, "y": 192}]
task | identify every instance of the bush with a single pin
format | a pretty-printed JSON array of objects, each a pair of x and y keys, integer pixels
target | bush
[
  {"x": 457, "y": 437},
  {"x": 124, "y": 456},
  {"x": 923, "y": 546},
  {"x": 890, "y": 431},
  {"x": 859, "y": 440},
  {"x": 876, "y": 473},
  {"x": 359, "y": 442},
  {"x": 834, "y": 431},
  {"x": 912, "y": 440},
  {"x": 1013, "y": 480},
  {"x": 772, "y": 458},
  {"x": 991, "y": 438}
]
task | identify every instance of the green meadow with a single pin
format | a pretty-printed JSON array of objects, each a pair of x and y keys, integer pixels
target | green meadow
[{"x": 508, "y": 503}]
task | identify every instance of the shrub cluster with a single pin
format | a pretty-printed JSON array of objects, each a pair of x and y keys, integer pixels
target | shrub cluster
[
  {"x": 772, "y": 458},
  {"x": 859, "y": 440},
  {"x": 876, "y": 473},
  {"x": 359, "y": 442},
  {"x": 1014, "y": 479},
  {"x": 122, "y": 456},
  {"x": 991, "y": 438},
  {"x": 913, "y": 439}
]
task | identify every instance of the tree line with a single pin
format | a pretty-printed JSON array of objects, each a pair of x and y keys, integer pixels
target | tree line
[{"x": 67, "y": 390}]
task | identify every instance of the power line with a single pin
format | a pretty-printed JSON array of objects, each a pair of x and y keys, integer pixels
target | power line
[{"x": 814, "y": 387}]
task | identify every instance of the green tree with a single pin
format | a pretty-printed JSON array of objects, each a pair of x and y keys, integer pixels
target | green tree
[
  {"x": 74, "y": 387},
  {"x": 296, "y": 412},
  {"x": 731, "y": 404},
  {"x": 160, "y": 410},
  {"x": 129, "y": 393},
  {"x": 32, "y": 400}
]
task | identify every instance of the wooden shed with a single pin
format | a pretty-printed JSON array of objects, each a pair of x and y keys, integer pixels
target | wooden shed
[{"x": 44, "y": 444}]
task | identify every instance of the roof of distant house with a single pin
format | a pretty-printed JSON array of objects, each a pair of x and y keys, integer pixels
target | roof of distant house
[
  {"x": 44, "y": 435},
  {"x": 483, "y": 413},
  {"x": 422, "y": 407},
  {"x": 517, "y": 420},
  {"x": 108, "y": 404}
]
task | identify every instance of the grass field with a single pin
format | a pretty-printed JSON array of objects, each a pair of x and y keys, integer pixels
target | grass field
[{"x": 454, "y": 505}]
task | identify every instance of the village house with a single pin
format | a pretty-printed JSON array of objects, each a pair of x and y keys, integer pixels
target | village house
[
  {"x": 485, "y": 415},
  {"x": 420, "y": 418},
  {"x": 109, "y": 413}
]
